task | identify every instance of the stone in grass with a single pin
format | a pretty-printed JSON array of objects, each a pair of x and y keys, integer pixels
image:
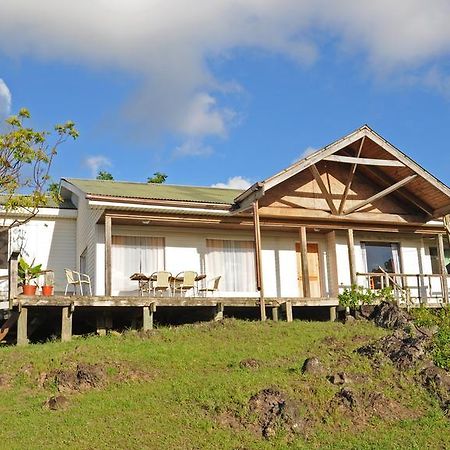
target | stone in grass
[
  {"x": 339, "y": 378},
  {"x": 313, "y": 366},
  {"x": 250, "y": 363},
  {"x": 57, "y": 402}
]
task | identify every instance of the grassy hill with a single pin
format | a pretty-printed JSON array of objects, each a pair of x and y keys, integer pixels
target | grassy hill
[{"x": 197, "y": 386}]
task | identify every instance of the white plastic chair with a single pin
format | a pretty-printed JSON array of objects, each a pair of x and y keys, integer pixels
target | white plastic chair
[
  {"x": 212, "y": 286},
  {"x": 75, "y": 279}
]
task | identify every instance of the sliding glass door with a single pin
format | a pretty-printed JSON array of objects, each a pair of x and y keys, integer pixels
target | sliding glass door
[{"x": 131, "y": 254}]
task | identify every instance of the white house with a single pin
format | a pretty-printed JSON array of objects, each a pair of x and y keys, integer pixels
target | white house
[{"x": 358, "y": 211}]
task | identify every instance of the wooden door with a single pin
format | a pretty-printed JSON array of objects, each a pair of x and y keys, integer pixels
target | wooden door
[{"x": 313, "y": 267}]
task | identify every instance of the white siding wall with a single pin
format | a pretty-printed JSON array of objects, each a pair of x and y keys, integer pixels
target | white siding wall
[{"x": 50, "y": 242}]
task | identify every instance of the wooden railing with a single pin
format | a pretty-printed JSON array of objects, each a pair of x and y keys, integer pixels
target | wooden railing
[{"x": 407, "y": 287}]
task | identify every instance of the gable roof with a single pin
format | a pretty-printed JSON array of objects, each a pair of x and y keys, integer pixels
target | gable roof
[
  {"x": 152, "y": 191},
  {"x": 439, "y": 205}
]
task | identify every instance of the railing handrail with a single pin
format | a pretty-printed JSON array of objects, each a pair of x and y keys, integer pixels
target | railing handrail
[{"x": 395, "y": 274}]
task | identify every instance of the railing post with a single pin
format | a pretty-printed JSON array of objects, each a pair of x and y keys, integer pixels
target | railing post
[{"x": 442, "y": 268}]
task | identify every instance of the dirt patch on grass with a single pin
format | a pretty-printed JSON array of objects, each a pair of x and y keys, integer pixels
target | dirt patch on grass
[
  {"x": 250, "y": 363},
  {"x": 361, "y": 407},
  {"x": 85, "y": 376}
]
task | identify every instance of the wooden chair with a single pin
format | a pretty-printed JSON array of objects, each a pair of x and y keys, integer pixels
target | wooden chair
[
  {"x": 212, "y": 286},
  {"x": 160, "y": 282},
  {"x": 184, "y": 281},
  {"x": 75, "y": 279}
]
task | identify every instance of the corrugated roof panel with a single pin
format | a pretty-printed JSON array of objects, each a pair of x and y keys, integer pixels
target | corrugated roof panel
[{"x": 152, "y": 191}]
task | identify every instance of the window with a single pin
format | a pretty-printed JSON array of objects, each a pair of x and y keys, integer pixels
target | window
[
  {"x": 234, "y": 261},
  {"x": 435, "y": 259},
  {"x": 380, "y": 256},
  {"x": 131, "y": 254}
]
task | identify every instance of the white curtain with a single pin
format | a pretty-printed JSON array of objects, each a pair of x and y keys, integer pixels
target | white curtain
[
  {"x": 131, "y": 254},
  {"x": 234, "y": 261}
]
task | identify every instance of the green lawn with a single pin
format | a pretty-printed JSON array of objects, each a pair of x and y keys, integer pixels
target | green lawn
[{"x": 168, "y": 389}]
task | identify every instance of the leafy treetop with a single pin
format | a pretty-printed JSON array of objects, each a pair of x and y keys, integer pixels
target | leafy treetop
[
  {"x": 26, "y": 156},
  {"x": 103, "y": 175},
  {"x": 158, "y": 178}
]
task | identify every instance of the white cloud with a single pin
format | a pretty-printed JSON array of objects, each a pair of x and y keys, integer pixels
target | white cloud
[
  {"x": 5, "y": 99},
  {"x": 168, "y": 44},
  {"x": 237, "y": 182},
  {"x": 97, "y": 162},
  {"x": 192, "y": 148},
  {"x": 308, "y": 151}
]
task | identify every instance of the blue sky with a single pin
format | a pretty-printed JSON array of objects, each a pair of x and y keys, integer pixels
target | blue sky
[{"x": 227, "y": 91}]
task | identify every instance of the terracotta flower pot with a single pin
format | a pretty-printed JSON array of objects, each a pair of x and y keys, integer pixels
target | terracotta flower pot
[
  {"x": 29, "y": 289},
  {"x": 47, "y": 290}
]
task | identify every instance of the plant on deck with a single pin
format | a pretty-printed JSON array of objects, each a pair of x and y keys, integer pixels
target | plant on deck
[{"x": 28, "y": 272}]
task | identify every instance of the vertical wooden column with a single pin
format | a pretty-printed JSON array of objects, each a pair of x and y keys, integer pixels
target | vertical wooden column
[
  {"x": 108, "y": 244},
  {"x": 22, "y": 327},
  {"x": 442, "y": 268},
  {"x": 13, "y": 277},
  {"x": 304, "y": 259},
  {"x": 351, "y": 257},
  {"x": 66, "y": 324},
  {"x": 289, "y": 315},
  {"x": 258, "y": 261},
  {"x": 275, "y": 310}
]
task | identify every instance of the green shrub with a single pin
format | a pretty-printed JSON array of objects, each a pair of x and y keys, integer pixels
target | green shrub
[{"x": 356, "y": 296}]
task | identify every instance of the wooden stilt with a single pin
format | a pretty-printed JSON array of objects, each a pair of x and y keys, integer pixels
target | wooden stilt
[
  {"x": 289, "y": 316},
  {"x": 333, "y": 313},
  {"x": 275, "y": 310},
  {"x": 147, "y": 317},
  {"x": 66, "y": 324},
  {"x": 22, "y": 327},
  {"x": 258, "y": 260},
  {"x": 218, "y": 312}
]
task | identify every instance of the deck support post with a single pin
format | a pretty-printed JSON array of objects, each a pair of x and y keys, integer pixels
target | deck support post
[
  {"x": 275, "y": 310},
  {"x": 147, "y": 317},
  {"x": 66, "y": 323},
  {"x": 304, "y": 259},
  {"x": 108, "y": 244},
  {"x": 22, "y": 327},
  {"x": 442, "y": 268},
  {"x": 333, "y": 313},
  {"x": 218, "y": 312},
  {"x": 287, "y": 306},
  {"x": 351, "y": 257},
  {"x": 258, "y": 260}
]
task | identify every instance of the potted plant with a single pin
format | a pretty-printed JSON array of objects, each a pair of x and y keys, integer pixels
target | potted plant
[
  {"x": 49, "y": 280},
  {"x": 28, "y": 272}
]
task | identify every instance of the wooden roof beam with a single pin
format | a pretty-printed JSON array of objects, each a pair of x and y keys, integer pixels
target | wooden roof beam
[
  {"x": 348, "y": 184},
  {"x": 323, "y": 188},
  {"x": 386, "y": 181},
  {"x": 381, "y": 194},
  {"x": 365, "y": 161}
]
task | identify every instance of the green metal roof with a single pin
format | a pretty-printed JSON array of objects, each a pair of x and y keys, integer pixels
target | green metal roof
[{"x": 153, "y": 191}]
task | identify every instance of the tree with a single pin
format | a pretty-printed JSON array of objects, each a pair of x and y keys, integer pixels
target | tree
[
  {"x": 26, "y": 156},
  {"x": 158, "y": 178},
  {"x": 103, "y": 175}
]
